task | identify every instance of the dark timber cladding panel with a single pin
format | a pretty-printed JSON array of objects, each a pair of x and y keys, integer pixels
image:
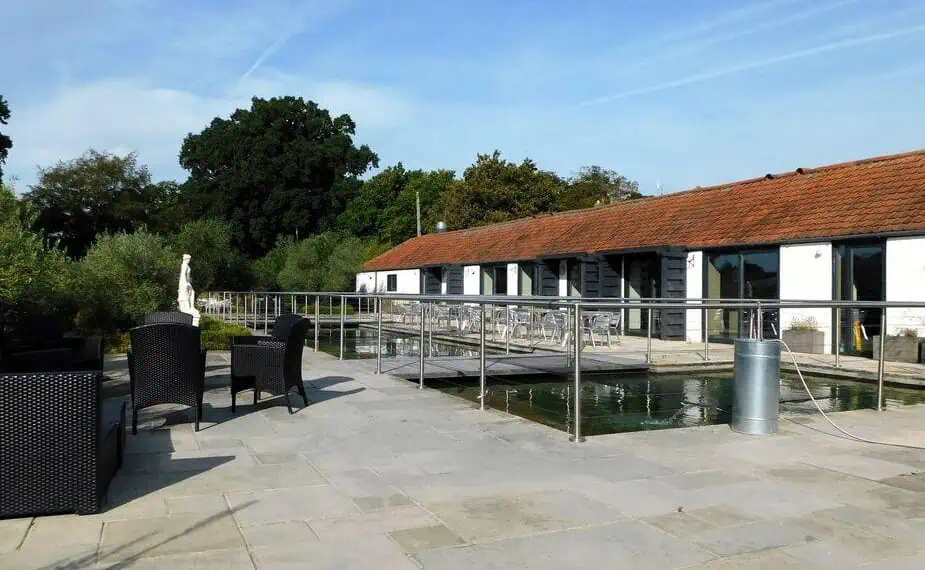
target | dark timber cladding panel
[
  {"x": 454, "y": 280},
  {"x": 431, "y": 277},
  {"x": 609, "y": 268},
  {"x": 674, "y": 271},
  {"x": 591, "y": 286},
  {"x": 548, "y": 276}
]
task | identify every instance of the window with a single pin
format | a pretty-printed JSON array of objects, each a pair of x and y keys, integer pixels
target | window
[
  {"x": 391, "y": 282},
  {"x": 742, "y": 275}
]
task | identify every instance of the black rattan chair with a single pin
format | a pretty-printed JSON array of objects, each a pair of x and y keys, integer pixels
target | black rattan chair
[
  {"x": 59, "y": 449},
  {"x": 166, "y": 365},
  {"x": 270, "y": 365},
  {"x": 168, "y": 317}
]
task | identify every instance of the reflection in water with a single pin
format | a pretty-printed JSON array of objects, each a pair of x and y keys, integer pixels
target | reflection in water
[
  {"x": 614, "y": 404},
  {"x": 361, "y": 343}
]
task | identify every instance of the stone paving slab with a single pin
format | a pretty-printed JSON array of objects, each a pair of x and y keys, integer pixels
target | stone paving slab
[{"x": 376, "y": 473}]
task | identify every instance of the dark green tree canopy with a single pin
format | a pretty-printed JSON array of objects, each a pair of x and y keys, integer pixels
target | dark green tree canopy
[
  {"x": 494, "y": 190},
  {"x": 385, "y": 207},
  {"x": 98, "y": 193},
  {"x": 594, "y": 186},
  {"x": 5, "y": 142},
  {"x": 282, "y": 167}
]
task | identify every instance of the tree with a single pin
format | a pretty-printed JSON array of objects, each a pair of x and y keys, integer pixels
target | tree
[
  {"x": 494, "y": 190},
  {"x": 282, "y": 167},
  {"x": 400, "y": 223},
  {"x": 98, "y": 193},
  {"x": 215, "y": 263},
  {"x": 30, "y": 274},
  {"x": 326, "y": 262},
  {"x": 594, "y": 186},
  {"x": 385, "y": 208},
  {"x": 5, "y": 142}
]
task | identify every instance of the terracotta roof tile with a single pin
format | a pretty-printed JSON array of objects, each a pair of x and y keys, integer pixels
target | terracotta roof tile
[{"x": 873, "y": 196}]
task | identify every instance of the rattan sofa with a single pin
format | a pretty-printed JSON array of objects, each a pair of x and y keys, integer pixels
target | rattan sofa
[{"x": 61, "y": 444}]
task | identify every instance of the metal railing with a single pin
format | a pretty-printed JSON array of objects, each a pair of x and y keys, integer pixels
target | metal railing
[{"x": 467, "y": 315}]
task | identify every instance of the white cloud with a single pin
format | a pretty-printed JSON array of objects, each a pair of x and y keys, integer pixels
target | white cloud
[{"x": 126, "y": 114}]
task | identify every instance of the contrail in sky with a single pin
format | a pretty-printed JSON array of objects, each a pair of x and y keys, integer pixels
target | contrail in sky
[
  {"x": 734, "y": 69},
  {"x": 270, "y": 50}
]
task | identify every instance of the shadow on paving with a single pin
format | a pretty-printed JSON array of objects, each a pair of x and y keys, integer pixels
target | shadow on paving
[{"x": 89, "y": 561}]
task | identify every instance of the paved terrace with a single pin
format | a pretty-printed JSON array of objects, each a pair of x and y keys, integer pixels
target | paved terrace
[{"x": 375, "y": 473}]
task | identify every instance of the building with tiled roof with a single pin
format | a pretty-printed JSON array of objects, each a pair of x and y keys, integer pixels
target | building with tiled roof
[{"x": 853, "y": 230}]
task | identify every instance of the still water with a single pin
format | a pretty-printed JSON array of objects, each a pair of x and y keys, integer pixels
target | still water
[
  {"x": 615, "y": 404},
  {"x": 361, "y": 343}
]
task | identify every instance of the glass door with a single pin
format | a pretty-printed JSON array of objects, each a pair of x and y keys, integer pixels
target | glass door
[
  {"x": 742, "y": 275},
  {"x": 859, "y": 277}
]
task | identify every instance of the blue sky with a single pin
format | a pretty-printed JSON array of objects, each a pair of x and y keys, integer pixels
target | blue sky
[{"x": 685, "y": 92}]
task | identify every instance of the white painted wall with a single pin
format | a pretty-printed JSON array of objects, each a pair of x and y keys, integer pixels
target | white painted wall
[
  {"x": 444, "y": 275},
  {"x": 409, "y": 281},
  {"x": 563, "y": 278},
  {"x": 513, "y": 275},
  {"x": 471, "y": 280},
  {"x": 366, "y": 281},
  {"x": 905, "y": 281},
  {"x": 694, "y": 280},
  {"x": 806, "y": 273}
]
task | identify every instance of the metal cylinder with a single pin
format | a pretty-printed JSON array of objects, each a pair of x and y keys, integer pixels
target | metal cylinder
[
  {"x": 837, "y": 336},
  {"x": 756, "y": 406}
]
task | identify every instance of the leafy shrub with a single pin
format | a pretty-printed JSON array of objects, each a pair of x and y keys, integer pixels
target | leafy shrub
[
  {"x": 123, "y": 278},
  {"x": 217, "y": 335},
  {"x": 909, "y": 333}
]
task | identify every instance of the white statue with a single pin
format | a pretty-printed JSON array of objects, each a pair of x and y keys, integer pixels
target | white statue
[{"x": 186, "y": 296}]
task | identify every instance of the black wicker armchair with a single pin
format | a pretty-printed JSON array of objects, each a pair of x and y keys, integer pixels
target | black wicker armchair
[
  {"x": 166, "y": 365},
  {"x": 168, "y": 317},
  {"x": 61, "y": 445},
  {"x": 271, "y": 365}
]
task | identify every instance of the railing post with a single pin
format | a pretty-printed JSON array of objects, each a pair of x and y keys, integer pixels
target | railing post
[
  {"x": 430, "y": 329},
  {"x": 706, "y": 334},
  {"x": 649, "y": 336},
  {"x": 317, "y": 320},
  {"x": 837, "y": 334},
  {"x": 266, "y": 314},
  {"x": 507, "y": 329},
  {"x": 343, "y": 317},
  {"x": 578, "y": 346},
  {"x": 880, "y": 365},
  {"x": 378, "y": 305},
  {"x": 331, "y": 305},
  {"x": 760, "y": 323},
  {"x": 245, "y": 311},
  {"x": 421, "y": 351},
  {"x": 254, "y": 307},
  {"x": 481, "y": 356}
]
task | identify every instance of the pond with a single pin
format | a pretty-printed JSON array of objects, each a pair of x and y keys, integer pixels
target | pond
[
  {"x": 615, "y": 404},
  {"x": 361, "y": 343}
]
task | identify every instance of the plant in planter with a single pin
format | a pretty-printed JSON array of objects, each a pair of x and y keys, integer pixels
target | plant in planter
[
  {"x": 906, "y": 346},
  {"x": 804, "y": 336}
]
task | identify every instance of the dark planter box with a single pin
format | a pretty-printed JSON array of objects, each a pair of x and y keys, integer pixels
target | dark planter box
[
  {"x": 807, "y": 342},
  {"x": 900, "y": 348}
]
